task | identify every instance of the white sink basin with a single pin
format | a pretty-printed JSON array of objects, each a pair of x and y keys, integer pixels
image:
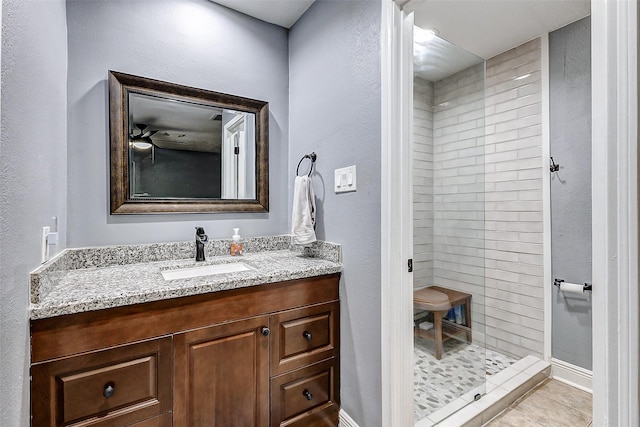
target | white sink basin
[{"x": 205, "y": 270}]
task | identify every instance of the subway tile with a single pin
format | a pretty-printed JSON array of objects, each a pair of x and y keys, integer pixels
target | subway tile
[
  {"x": 533, "y": 130},
  {"x": 519, "y": 206},
  {"x": 530, "y": 174},
  {"x": 529, "y": 110},
  {"x": 516, "y": 185},
  {"x": 502, "y": 98},
  {"x": 502, "y": 196},
  {"x": 530, "y": 195},
  {"x": 530, "y": 258},
  {"x": 521, "y": 269},
  {"x": 520, "y": 164},
  {"x": 509, "y": 157},
  {"x": 505, "y": 116},
  {"x": 519, "y": 123},
  {"x": 532, "y": 302},
  {"x": 531, "y": 237},
  {"x": 530, "y": 248},
  {"x": 534, "y": 347},
  {"x": 535, "y": 281},
  {"x": 529, "y": 89},
  {"x": 514, "y": 101},
  {"x": 497, "y": 137},
  {"x": 531, "y": 227}
]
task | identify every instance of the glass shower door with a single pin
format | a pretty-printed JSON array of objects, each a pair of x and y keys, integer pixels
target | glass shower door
[{"x": 448, "y": 229}]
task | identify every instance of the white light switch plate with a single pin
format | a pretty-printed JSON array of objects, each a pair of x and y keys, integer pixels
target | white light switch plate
[{"x": 345, "y": 179}]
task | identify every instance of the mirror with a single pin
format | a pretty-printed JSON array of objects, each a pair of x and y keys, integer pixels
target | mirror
[{"x": 179, "y": 149}]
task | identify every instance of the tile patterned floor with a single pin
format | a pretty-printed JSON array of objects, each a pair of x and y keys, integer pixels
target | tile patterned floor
[
  {"x": 462, "y": 367},
  {"x": 551, "y": 404}
]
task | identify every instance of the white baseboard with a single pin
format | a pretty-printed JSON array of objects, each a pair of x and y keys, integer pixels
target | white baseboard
[
  {"x": 346, "y": 420},
  {"x": 573, "y": 375}
]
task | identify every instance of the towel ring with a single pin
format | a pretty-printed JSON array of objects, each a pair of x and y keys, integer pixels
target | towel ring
[{"x": 313, "y": 156}]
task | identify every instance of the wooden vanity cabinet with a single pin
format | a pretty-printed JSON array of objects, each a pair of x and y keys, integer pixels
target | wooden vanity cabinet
[
  {"x": 266, "y": 355},
  {"x": 221, "y": 375}
]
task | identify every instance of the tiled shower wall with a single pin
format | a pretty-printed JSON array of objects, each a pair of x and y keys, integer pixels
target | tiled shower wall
[
  {"x": 514, "y": 230},
  {"x": 486, "y": 231},
  {"x": 458, "y": 160},
  {"x": 422, "y": 183}
]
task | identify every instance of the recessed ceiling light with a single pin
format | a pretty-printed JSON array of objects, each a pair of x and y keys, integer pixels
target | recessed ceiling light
[{"x": 421, "y": 35}]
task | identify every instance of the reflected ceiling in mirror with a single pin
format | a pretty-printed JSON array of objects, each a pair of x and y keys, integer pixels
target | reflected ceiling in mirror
[{"x": 180, "y": 149}]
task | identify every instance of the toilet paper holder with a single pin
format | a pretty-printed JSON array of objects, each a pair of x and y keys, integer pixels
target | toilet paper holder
[{"x": 558, "y": 282}]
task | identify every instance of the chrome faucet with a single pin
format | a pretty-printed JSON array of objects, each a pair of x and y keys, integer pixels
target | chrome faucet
[{"x": 201, "y": 239}]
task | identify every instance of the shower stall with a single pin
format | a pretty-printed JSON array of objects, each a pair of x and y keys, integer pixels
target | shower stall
[
  {"x": 477, "y": 220},
  {"x": 448, "y": 227}
]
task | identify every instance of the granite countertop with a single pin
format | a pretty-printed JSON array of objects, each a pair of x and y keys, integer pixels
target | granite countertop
[{"x": 102, "y": 278}]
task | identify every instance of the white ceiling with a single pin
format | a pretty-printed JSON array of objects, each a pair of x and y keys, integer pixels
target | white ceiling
[
  {"x": 280, "y": 12},
  {"x": 489, "y": 27},
  {"x": 436, "y": 59},
  {"x": 483, "y": 28}
]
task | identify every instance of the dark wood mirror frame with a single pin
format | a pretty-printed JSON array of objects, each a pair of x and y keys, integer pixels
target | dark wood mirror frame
[{"x": 120, "y": 86}]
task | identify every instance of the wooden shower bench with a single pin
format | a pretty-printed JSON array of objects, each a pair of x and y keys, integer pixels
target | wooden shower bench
[{"x": 438, "y": 301}]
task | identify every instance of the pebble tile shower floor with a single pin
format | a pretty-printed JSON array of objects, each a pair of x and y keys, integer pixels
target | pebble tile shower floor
[{"x": 463, "y": 366}]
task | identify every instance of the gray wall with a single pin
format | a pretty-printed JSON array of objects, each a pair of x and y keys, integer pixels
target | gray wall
[
  {"x": 33, "y": 172},
  {"x": 334, "y": 94},
  {"x": 570, "y": 132},
  {"x": 191, "y": 42}
]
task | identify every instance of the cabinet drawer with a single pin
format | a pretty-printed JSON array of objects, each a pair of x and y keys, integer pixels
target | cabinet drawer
[
  {"x": 304, "y": 394},
  {"x": 118, "y": 386},
  {"x": 303, "y": 336}
]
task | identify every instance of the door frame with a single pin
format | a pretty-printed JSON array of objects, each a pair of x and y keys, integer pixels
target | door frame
[
  {"x": 234, "y": 164},
  {"x": 614, "y": 86},
  {"x": 396, "y": 216},
  {"x": 616, "y": 331}
]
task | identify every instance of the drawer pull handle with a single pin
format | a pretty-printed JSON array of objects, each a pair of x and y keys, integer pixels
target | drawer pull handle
[
  {"x": 307, "y": 335},
  {"x": 109, "y": 390},
  {"x": 307, "y": 394},
  {"x": 265, "y": 331}
]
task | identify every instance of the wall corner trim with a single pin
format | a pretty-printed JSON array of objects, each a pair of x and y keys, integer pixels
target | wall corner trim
[
  {"x": 346, "y": 420},
  {"x": 572, "y": 375},
  {"x": 546, "y": 197}
]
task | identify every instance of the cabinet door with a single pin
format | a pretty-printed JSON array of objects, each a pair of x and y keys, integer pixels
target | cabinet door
[
  {"x": 108, "y": 388},
  {"x": 221, "y": 375}
]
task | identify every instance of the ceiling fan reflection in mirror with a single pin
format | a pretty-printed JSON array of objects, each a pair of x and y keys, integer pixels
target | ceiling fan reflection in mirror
[{"x": 142, "y": 141}]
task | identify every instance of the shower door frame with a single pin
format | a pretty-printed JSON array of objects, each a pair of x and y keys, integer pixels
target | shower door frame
[{"x": 396, "y": 216}]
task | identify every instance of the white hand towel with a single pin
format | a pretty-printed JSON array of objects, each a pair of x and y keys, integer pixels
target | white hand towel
[{"x": 303, "y": 218}]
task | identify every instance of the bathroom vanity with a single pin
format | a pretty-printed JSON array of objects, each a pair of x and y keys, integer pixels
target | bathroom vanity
[{"x": 258, "y": 347}]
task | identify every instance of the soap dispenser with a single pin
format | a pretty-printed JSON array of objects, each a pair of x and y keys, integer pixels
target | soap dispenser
[{"x": 236, "y": 242}]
